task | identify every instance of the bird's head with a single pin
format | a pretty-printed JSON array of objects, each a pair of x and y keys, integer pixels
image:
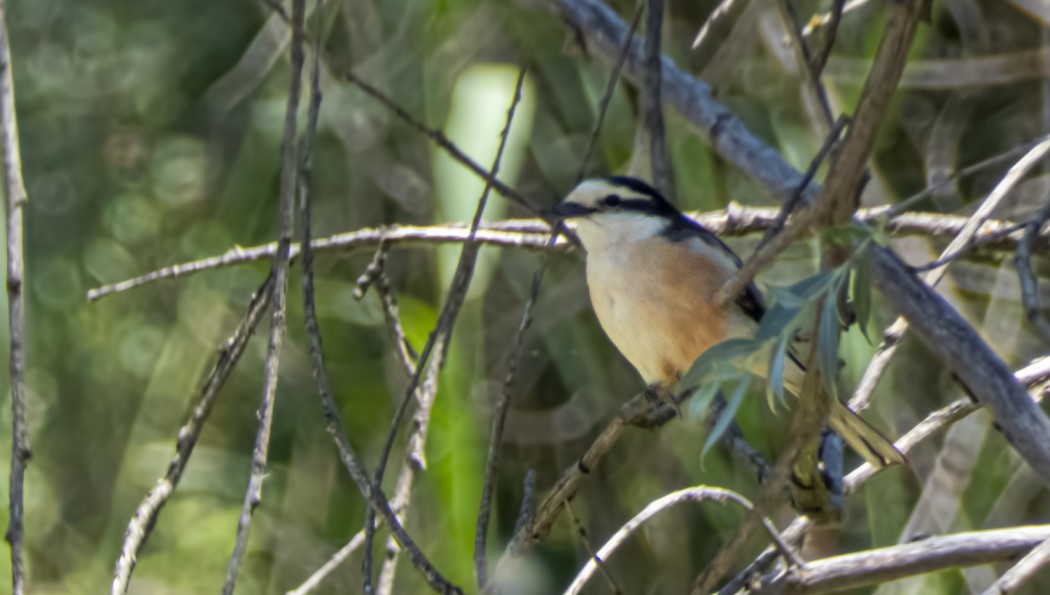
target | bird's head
[{"x": 615, "y": 210}]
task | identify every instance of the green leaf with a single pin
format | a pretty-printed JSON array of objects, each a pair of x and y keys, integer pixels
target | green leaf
[
  {"x": 803, "y": 291},
  {"x": 732, "y": 404},
  {"x": 776, "y": 320},
  {"x": 862, "y": 290},
  {"x": 702, "y": 398},
  {"x": 775, "y": 383},
  {"x": 828, "y": 346},
  {"x": 725, "y": 351}
]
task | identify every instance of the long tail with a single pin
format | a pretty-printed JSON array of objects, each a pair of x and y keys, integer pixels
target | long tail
[{"x": 862, "y": 437}]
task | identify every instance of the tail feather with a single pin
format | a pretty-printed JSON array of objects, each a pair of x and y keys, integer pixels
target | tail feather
[{"x": 863, "y": 437}]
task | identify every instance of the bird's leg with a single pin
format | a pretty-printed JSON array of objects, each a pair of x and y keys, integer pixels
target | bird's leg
[{"x": 660, "y": 393}]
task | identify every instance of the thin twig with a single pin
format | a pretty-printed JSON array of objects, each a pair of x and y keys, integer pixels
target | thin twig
[
  {"x": 15, "y": 191},
  {"x": 789, "y": 205},
  {"x": 895, "y": 333},
  {"x": 1023, "y": 571},
  {"x": 693, "y": 494},
  {"x": 442, "y": 332},
  {"x": 828, "y": 18},
  {"x": 499, "y": 422},
  {"x": 806, "y": 65},
  {"x": 1029, "y": 285},
  {"x": 415, "y": 463},
  {"x": 610, "y": 87},
  {"x": 528, "y": 498},
  {"x": 286, "y": 217},
  {"x": 592, "y": 554},
  {"x": 141, "y": 524},
  {"x": 439, "y": 138},
  {"x": 821, "y": 59},
  {"x": 534, "y": 234},
  {"x": 330, "y": 566},
  {"x": 652, "y": 106}
]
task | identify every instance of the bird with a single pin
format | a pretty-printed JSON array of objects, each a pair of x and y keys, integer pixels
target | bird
[{"x": 652, "y": 274}]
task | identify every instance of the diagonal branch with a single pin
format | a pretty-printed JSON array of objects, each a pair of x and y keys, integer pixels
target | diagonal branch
[{"x": 141, "y": 524}]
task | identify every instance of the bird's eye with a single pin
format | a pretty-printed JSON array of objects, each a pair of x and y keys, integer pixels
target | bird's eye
[{"x": 612, "y": 200}]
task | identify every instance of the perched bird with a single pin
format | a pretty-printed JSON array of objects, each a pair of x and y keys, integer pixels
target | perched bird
[{"x": 652, "y": 274}]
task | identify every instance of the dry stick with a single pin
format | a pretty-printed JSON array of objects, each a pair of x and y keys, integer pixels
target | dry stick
[
  {"x": 893, "y": 335},
  {"x": 693, "y": 494},
  {"x": 442, "y": 332},
  {"x": 1023, "y": 571},
  {"x": 534, "y": 234},
  {"x": 286, "y": 216},
  {"x": 1023, "y": 261},
  {"x": 415, "y": 462},
  {"x": 662, "y": 175},
  {"x": 886, "y": 564},
  {"x": 15, "y": 191},
  {"x": 1032, "y": 376},
  {"x": 141, "y": 524}
]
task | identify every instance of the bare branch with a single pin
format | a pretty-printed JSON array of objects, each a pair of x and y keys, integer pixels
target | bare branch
[
  {"x": 720, "y": 18},
  {"x": 1023, "y": 571},
  {"x": 14, "y": 189},
  {"x": 534, "y": 234},
  {"x": 286, "y": 217},
  {"x": 693, "y": 494},
  {"x": 918, "y": 557},
  {"x": 145, "y": 517}
]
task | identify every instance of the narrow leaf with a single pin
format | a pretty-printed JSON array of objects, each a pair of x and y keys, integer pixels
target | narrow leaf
[
  {"x": 805, "y": 290},
  {"x": 725, "y": 351},
  {"x": 701, "y": 399},
  {"x": 862, "y": 291},
  {"x": 828, "y": 346},
  {"x": 732, "y": 404},
  {"x": 776, "y": 320},
  {"x": 775, "y": 382}
]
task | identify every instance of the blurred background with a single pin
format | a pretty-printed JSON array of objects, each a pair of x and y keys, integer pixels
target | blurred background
[{"x": 151, "y": 135}]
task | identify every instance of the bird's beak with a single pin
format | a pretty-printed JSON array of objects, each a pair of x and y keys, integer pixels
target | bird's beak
[{"x": 569, "y": 209}]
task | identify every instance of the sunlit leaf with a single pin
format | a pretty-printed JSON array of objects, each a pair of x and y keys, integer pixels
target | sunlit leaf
[
  {"x": 828, "y": 346},
  {"x": 724, "y": 351},
  {"x": 732, "y": 405},
  {"x": 775, "y": 383},
  {"x": 702, "y": 398}
]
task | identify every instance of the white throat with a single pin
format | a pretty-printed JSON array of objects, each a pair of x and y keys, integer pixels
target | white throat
[{"x": 612, "y": 231}]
